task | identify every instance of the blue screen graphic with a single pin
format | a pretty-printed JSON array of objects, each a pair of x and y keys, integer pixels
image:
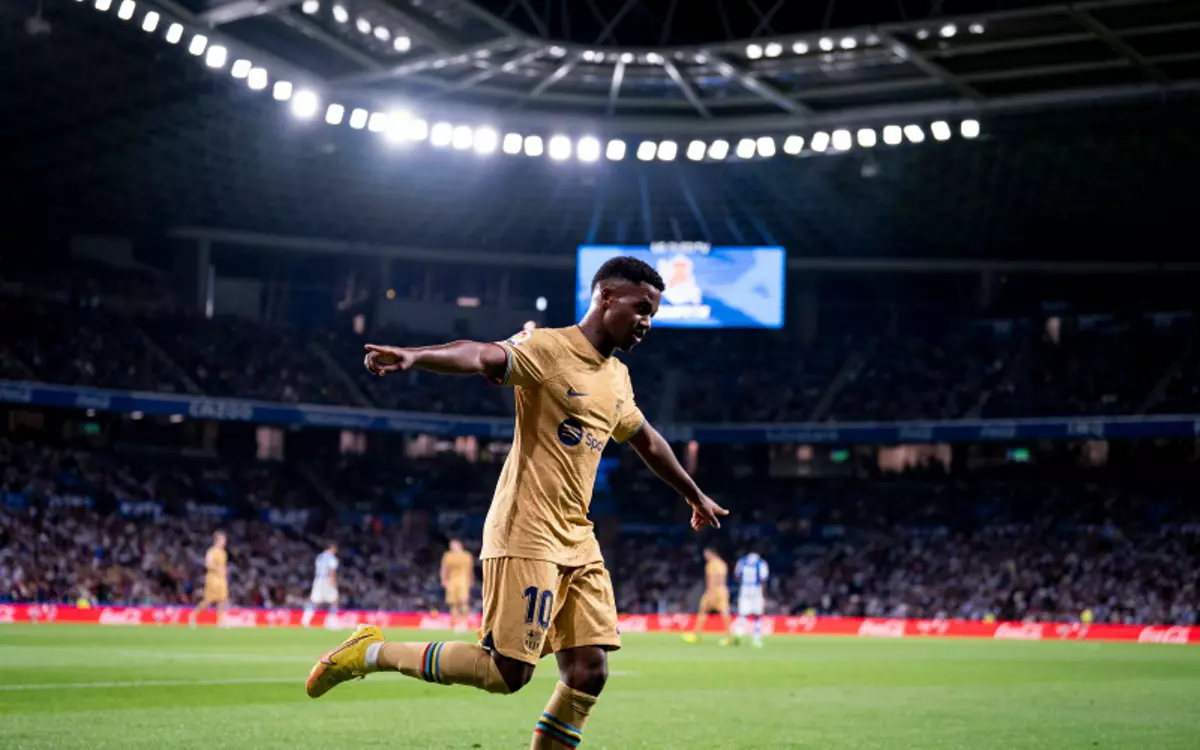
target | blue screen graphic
[{"x": 707, "y": 287}]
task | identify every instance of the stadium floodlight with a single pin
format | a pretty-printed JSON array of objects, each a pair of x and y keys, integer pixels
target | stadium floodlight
[
  {"x": 654, "y": 58},
  {"x": 820, "y": 141},
  {"x": 441, "y": 134},
  {"x": 257, "y": 79},
  {"x": 826, "y": 44},
  {"x": 340, "y": 14},
  {"x": 463, "y": 138},
  {"x": 914, "y": 133},
  {"x": 753, "y": 51},
  {"x": 647, "y": 150},
  {"x": 358, "y": 118},
  {"x": 282, "y": 91},
  {"x": 668, "y": 150},
  {"x": 150, "y": 22},
  {"x": 774, "y": 49},
  {"x": 695, "y": 150},
  {"x": 922, "y": 34},
  {"x": 970, "y": 128},
  {"x": 382, "y": 33},
  {"x": 174, "y": 33},
  {"x": 793, "y": 145},
  {"x": 310, "y": 6},
  {"x": 849, "y": 42},
  {"x": 197, "y": 45},
  {"x": 416, "y": 129},
  {"x": 216, "y": 56},
  {"x": 745, "y": 148},
  {"x": 378, "y": 122},
  {"x": 866, "y": 138},
  {"x": 940, "y": 130},
  {"x": 512, "y": 143},
  {"x": 240, "y": 68},
  {"x": 615, "y": 150},
  {"x": 627, "y": 57},
  {"x": 402, "y": 44},
  {"x": 533, "y": 145},
  {"x": 718, "y": 150},
  {"x": 842, "y": 141},
  {"x": 589, "y": 56},
  {"x": 588, "y": 149},
  {"x": 363, "y": 26},
  {"x": 486, "y": 141},
  {"x": 126, "y": 10},
  {"x": 334, "y": 114},
  {"x": 948, "y": 30},
  {"x": 103, "y": 5},
  {"x": 540, "y": 304},
  {"x": 892, "y": 135},
  {"x": 766, "y": 146},
  {"x": 560, "y": 148},
  {"x": 557, "y": 51},
  {"x": 976, "y": 28},
  {"x": 395, "y": 126},
  {"x": 305, "y": 104},
  {"x": 800, "y": 48}
]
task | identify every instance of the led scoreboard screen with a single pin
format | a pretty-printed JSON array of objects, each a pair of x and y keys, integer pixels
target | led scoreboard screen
[{"x": 707, "y": 286}]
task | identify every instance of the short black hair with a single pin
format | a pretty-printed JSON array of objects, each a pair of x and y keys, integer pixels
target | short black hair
[{"x": 629, "y": 269}]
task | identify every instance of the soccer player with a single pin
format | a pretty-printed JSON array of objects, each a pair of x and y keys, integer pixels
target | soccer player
[
  {"x": 458, "y": 575},
  {"x": 545, "y": 587},
  {"x": 216, "y": 581},
  {"x": 751, "y": 574},
  {"x": 715, "y": 598},
  {"x": 324, "y": 588}
]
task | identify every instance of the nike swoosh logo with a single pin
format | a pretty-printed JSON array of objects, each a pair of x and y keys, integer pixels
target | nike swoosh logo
[
  {"x": 328, "y": 658},
  {"x": 572, "y": 393}
]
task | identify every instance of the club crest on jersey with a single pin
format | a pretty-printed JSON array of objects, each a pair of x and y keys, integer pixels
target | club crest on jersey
[
  {"x": 519, "y": 338},
  {"x": 533, "y": 640}
]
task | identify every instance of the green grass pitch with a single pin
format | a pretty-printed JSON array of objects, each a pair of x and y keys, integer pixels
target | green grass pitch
[{"x": 92, "y": 687}]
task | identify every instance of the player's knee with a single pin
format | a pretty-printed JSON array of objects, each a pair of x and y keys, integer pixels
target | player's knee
[
  {"x": 586, "y": 671},
  {"x": 516, "y": 674}
]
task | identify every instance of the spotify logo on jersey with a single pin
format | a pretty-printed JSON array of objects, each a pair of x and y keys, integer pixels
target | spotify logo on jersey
[{"x": 570, "y": 432}]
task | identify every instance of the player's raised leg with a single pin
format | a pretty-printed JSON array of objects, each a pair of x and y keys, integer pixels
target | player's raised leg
[{"x": 516, "y": 619}]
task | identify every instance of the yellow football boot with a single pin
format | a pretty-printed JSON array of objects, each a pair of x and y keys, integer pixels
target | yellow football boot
[
  {"x": 346, "y": 662},
  {"x": 690, "y": 638}
]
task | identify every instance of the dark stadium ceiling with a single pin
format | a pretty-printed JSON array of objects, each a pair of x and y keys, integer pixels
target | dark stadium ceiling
[
  {"x": 109, "y": 128},
  {"x": 672, "y": 68}
]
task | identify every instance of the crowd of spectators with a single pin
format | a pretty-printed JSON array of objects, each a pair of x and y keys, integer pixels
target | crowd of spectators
[
  {"x": 1088, "y": 365},
  {"x": 75, "y": 524}
]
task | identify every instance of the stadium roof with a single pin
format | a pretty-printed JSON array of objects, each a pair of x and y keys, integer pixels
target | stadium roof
[{"x": 110, "y": 126}]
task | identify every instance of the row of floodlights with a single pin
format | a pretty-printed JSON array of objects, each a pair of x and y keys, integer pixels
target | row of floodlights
[
  {"x": 404, "y": 127},
  {"x": 829, "y": 44},
  {"x": 400, "y": 42}
]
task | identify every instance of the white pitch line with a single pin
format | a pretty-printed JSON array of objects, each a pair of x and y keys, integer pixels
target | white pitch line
[
  {"x": 148, "y": 683},
  {"x": 190, "y": 683}
]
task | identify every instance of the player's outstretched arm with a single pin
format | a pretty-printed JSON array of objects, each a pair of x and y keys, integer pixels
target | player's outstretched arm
[
  {"x": 657, "y": 454},
  {"x": 455, "y": 358}
]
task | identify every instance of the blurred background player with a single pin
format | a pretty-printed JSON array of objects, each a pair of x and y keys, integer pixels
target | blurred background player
[
  {"x": 751, "y": 574},
  {"x": 458, "y": 575},
  {"x": 324, "y": 588},
  {"x": 216, "y": 581},
  {"x": 715, "y": 598}
]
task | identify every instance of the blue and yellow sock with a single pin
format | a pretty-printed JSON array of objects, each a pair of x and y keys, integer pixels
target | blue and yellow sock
[
  {"x": 442, "y": 662},
  {"x": 561, "y": 724}
]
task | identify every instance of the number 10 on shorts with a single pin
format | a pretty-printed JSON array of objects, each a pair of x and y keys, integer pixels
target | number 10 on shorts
[{"x": 539, "y": 604}]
